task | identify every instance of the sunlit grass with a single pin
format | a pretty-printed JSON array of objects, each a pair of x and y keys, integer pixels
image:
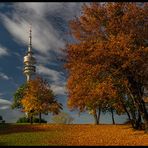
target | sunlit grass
[
  {"x": 56, "y": 134},
  {"x": 27, "y": 138}
]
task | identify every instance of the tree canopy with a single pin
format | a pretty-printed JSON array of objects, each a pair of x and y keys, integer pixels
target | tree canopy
[
  {"x": 39, "y": 98},
  {"x": 107, "y": 63}
]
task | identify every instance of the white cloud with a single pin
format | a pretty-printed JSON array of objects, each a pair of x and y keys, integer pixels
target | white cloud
[
  {"x": 3, "y": 51},
  {"x": 66, "y": 10},
  {"x": 58, "y": 90},
  {"x": 4, "y": 76},
  {"x": 46, "y": 37},
  {"x": 4, "y": 107},
  {"x": 3, "y": 101},
  {"x": 4, "y": 104},
  {"x": 11, "y": 116},
  {"x": 53, "y": 74},
  {"x": 58, "y": 79},
  {"x": 42, "y": 59}
]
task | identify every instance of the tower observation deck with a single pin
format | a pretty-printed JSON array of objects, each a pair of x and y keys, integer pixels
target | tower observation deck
[{"x": 29, "y": 60}]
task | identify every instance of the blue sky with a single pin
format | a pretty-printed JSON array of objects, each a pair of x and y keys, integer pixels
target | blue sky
[{"x": 49, "y": 27}]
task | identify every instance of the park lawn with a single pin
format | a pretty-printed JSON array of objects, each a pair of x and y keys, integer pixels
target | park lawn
[{"x": 75, "y": 134}]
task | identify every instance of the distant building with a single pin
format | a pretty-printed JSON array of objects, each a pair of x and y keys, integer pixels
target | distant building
[{"x": 29, "y": 61}]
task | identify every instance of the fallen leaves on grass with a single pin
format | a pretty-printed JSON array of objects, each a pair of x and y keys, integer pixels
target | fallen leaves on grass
[{"x": 54, "y": 134}]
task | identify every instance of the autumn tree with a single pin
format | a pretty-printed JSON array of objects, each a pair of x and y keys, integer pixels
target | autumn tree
[
  {"x": 108, "y": 59},
  {"x": 39, "y": 98},
  {"x": 18, "y": 95}
]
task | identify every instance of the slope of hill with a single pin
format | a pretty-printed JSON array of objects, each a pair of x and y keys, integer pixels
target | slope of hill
[{"x": 86, "y": 134}]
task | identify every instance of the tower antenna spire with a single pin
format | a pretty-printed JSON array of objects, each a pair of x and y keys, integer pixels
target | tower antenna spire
[{"x": 30, "y": 38}]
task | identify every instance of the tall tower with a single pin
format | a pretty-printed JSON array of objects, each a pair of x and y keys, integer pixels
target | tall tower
[{"x": 29, "y": 60}]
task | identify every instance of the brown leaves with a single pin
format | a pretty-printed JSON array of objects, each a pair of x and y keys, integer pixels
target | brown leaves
[
  {"x": 110, "y": 42},
  {"x": 104, "y": 135},
  {"x": 39, "y": 98},
  {"x": 73, "y": 135}
]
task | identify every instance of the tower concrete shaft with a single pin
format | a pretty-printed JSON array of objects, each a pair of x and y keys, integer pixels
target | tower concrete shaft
[{"x": 29, "y": 60}]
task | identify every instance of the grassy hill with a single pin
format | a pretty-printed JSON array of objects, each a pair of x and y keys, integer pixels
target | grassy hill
[{"x": 85, "y": 134}]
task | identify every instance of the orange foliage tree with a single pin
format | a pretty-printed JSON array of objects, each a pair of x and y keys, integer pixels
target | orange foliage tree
[
  {"x": 108, "y": 59},
  {"x": 39, "y": 98}
]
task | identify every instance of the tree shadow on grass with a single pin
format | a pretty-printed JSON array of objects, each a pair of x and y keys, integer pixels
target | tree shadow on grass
[
  {"x": 141, "y": 131},
  {"x": 14, "y": 128},
  {"x": 3, "y": 144},
  {"x": 128, "y": 126}
]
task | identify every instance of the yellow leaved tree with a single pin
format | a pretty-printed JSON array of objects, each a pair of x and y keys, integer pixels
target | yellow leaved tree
[{"x": 39, "y": 98}]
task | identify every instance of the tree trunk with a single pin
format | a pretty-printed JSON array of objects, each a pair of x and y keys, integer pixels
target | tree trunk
[
  {"x": 138, "y": 89},
  {"x": 145, "y": 117},
  {"x": 99, "y": 113},
  {"x": 143, "y": 112},
  {"x": 136, "y": 123},
  {"x": 139, "y": 121},
  {"x": 134, "y": 120},
  {"x": 125, "y": 109},
  {"x": 31, "y": 119},
  {"x": 140, "y": 104},
  {"x": 96, "y": 119},
  {"x": 112, "y": 115},
  {"x": 129, "y": 117},
  {"x": 146, "y": 125},
  {"x": 40, "y": 118}
]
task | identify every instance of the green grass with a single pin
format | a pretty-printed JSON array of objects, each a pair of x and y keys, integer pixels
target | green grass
[
  {"x": 26, "y": 138},
  {"x": 10, "y": 136},
  {"x": 76, "y": 134}
]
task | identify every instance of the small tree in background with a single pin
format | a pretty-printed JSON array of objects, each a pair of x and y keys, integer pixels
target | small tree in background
[
  {"x": 27, "y": 120},
  {"x": 63, "y": 118},
  {"x": 39, "y": 98}
]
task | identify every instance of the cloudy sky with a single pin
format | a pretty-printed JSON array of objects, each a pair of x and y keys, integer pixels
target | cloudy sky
[{"x": 49, "y": 33}]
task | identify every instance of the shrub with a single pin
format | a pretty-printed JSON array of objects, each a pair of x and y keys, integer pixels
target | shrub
[
  {"x": 63, "y": 118},
  {"x": 36, "y": 120},
  {"x": 3, "y": 121},
  {"x": 1, "y": 118},
  {"x": 23, "y": 120},
  {"x": 27, "y": 120}
]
